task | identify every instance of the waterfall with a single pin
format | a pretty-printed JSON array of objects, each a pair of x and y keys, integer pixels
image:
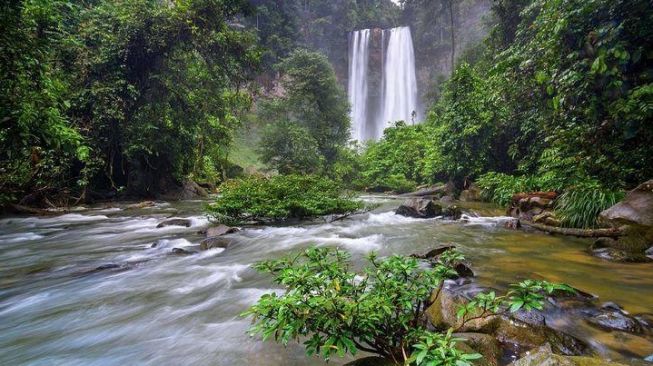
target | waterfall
[
  {"x": 394, "y": 90},
  {"x": 357, "y": 90},
  {"x": 400, "y": 83}
]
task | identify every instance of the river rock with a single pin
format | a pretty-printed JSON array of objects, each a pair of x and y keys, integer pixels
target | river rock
[
  {"x": 175, "y": 222},
  {"x": 634, "y": 214},
  {"x": 419, "y": 208},
  {"x": 544, "y": 356},
  {"x": 615, "y": 319},
  {"x": 471, "y": 194},
  {"x": 484, "y": 344},
  {"x": 143, "y": 204},
  {"x": 525, "y": 332},
  {"x": 434, "y": 253},
  {"x": 452, "y": 212},
  {"x": 220, "y": 230},
  {"x": 215, "y": 242},
  {"x": 181, "y": 251},
  {"x": 530, "y": 205}
]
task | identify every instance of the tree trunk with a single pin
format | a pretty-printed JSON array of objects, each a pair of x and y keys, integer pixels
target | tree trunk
[{"x": 582, "y": 233}]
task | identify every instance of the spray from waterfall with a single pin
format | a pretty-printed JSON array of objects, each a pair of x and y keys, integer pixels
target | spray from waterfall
[{"x": 397, "y": 100}]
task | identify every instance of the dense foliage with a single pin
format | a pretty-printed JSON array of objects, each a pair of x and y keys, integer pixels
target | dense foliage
[
  {"x": 279, "y": 198},
  {"x": 133, "y": 95},
  {"x": 308, "y": 125},
  {"x": 378, "y": 310}
]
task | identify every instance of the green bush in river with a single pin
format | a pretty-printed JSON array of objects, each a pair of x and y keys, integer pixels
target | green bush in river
[
  {"x": 280, "y": 197},
  {"x": 380, "y": 309}
]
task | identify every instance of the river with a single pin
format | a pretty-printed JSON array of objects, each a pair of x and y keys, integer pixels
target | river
[{"x": 88, "y": 288}]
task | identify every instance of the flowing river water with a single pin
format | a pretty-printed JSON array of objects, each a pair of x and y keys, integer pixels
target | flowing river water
[{"x": 87, "y": 288}]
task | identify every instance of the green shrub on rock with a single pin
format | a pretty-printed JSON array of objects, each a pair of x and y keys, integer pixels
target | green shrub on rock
[
  {"x": 279, "y": 198},
  {"x": 336, "y": 310}
]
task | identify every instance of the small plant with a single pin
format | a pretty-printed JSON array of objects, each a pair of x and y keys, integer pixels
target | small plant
[
  {"x": 380, "y": 310},
  {"x": 279, "y": 198},
  {"x": 580, "y": 206}
]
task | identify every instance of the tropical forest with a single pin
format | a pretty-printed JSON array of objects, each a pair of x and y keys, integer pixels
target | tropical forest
[{"x": 326, "y": 182}]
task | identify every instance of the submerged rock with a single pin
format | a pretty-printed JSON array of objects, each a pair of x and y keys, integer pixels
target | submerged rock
[
  {"x": 175, "y": 222},
  {"x": 419, "y": 208},
  {"x": 143, "y": 204},
  {"x": 220, "y": 230},
  {"x": 215, "y": 242},
  {"x": 435, "y": 252},
  {"x": 181, "y": 251},
  {"x": 615, "y": 319},
  {"x": 452, "y": 212}
]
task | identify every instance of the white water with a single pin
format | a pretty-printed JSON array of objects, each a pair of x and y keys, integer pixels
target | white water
[
  {"x": 400, "y": 85},
  {"x": 357, "y": 91},
  {"x": 398, "y": 98}
]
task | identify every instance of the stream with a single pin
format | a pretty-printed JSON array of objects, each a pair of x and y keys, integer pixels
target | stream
[{"x": 88, "y": 288}]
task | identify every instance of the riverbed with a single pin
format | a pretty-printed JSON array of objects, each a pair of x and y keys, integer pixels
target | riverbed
[{"x": 88, "y": 288}]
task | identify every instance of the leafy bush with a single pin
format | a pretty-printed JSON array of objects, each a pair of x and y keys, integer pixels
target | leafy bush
[
  {"x": 580, "y": 206},
  {"x": 279, "y": 198},
  {"x": 396, "y": 162},
  {"x": 378, "y": 310},
  {"x": 499, "y": 188}
]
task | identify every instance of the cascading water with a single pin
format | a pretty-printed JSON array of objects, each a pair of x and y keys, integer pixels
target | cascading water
[
  {"x": 397, "y": 100},
  {"x": 358, "y": 67},
  {"x": 400, "y": 83}
]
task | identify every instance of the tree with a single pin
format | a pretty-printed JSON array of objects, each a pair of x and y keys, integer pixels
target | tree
[
  {"x": 289, "y": 148},
  {"x": 314, "y": 101}
]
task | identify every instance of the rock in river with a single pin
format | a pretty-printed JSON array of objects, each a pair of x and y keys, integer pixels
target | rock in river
[
  {"x": 175, "y": 222},
  {"x": 215, "y": 242},
  {"x": 220, "y": 230},
  {"x": 419, "y": 208}
]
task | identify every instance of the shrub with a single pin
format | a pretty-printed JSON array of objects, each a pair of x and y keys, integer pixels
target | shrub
[
  {"x": 279, "y": 198},
  {"x": 289, "y": 148},
  {"x": 580, "y": 206},
  {"x": 379, "y": 310}
]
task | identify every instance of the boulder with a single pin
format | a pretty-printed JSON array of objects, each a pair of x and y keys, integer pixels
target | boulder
[
  {"x": 634, "y": 214},
  {"x": 484, "y": 344},
  {"x": 175, "y": 222},
  {"x": 434, "y": 253},
  {"x": 419, "y": 208},
  {"x": 615, "y": 319},
  {"x": 525, "y": 330},
  {"x": 215, "y": 242},
  {"x": 544, "y": 356},
  {"x": 471, "y": 194},
  {"x": 220, "y": 230},
  {"x": 452, "y": 212},
  {"x": 532, "y": 206}
]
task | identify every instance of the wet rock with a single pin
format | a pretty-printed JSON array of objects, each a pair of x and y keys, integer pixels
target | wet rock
[
  {"x": 215, "y": 242},
  {"x": 452, "y": 212},
  {"x": 435, "y": 252},
  {"x": 181, "y": 251},
  {"x": 463, "y": 270},
  {"x": 419, "y": 208},
  {"x": 619, "y": 255},
  {"x": 175, "y": 222},
  {"x": 609, "y": 319},
  {"x": 220, "y": 230},
  {"x": 371, "y": 361},
  {"x": 484, "y": 344},
  {"x": 512, "y": 224},
  {"x": 634, "y": 216},
  {"x": 108, "y": 267},
  {"x": 447, "y": 199},
  {"x": 545, "y": 356},
  {"x": 526, "y": 333},
  {"x": 143, "y": 204}
]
